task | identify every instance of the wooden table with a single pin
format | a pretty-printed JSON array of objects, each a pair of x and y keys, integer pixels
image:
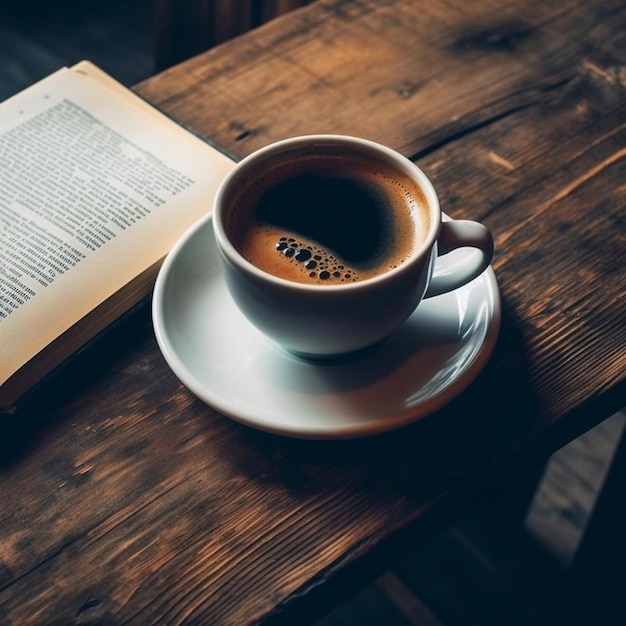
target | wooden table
[{"x": 123, "y": 499}]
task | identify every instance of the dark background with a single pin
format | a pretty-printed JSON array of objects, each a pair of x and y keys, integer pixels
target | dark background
[{"x": 480, "y": 572}]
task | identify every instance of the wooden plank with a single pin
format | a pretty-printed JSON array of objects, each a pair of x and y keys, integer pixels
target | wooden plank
[
  {"x": 516, "y": 114},
  {"x": 457, "y": 67}
]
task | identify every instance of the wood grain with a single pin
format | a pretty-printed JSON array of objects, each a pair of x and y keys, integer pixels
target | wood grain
[
  {"x": 515, "y": 111},
  {"x": 124, "y": 499}
]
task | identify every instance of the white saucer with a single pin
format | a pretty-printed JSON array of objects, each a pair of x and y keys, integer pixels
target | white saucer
[{"x": 229, "y": 365}]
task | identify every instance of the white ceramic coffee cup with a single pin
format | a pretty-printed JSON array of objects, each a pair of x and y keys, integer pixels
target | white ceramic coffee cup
[{"x": 316, "y": 321}]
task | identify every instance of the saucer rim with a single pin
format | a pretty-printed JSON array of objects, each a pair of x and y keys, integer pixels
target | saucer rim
[{"x": 394, "y": 421}]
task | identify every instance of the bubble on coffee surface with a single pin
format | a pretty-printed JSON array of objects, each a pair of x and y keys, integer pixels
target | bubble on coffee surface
[{"x": 320, "y": 264}]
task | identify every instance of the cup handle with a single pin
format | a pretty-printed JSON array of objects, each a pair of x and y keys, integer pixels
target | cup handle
[{"x": 459, "y": 234}]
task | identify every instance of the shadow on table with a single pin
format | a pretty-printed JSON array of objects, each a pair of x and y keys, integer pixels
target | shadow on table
[
  {"x": 434, "y": 470},
  {"x": 22, "y": 428},
  {"x": 477, "y": 435}
]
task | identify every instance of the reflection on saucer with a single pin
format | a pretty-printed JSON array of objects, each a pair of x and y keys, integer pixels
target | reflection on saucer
[{"x": 231, "y": 366}]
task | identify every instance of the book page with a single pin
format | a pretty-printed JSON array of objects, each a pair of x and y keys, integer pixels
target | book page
[{"x": 96, "y": 187}]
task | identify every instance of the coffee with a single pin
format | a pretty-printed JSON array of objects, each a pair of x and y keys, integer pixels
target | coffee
[{"x": 329, "y": 220}]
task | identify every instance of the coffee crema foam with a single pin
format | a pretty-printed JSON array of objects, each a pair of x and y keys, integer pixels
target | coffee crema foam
[{"x": 329, "y": 220}]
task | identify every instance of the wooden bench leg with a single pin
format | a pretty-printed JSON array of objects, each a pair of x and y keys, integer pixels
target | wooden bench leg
[
  {"x": 597, "y": 579},
  {"x": 185, "y": 28}
]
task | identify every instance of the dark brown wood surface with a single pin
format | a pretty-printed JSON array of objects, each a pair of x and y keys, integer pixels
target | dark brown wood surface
[{"x": 123, "y": 499}]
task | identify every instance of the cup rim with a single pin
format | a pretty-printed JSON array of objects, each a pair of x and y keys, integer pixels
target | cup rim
[{"x": 420, "y": 253}]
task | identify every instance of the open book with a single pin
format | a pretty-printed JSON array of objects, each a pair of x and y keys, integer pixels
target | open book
[{"x": 95, "y": 188}]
